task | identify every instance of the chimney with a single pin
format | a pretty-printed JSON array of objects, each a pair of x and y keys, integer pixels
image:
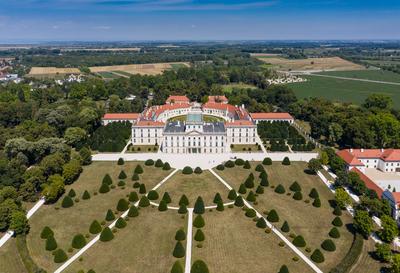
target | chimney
[
  {"x": 351, "y": 150},
  {"x": 382, "y": 150},
  {"x": 362, "y": 150}
]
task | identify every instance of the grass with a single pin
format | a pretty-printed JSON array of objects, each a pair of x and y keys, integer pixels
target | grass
[
  {"x": 304, "y": 219},
  {"x": 68, "y": 222},
  {"x": 234, "y": 244},
  {"x": 176, "y": 67},
  {"x": 244, "y": 148},
  {"x": 375, "y": 75},
  {"x": 366, "y": 263},
  {"x": 205, "y": 185},
  {"x": 122, "y": 73},
  {"x": 144, "y": 245},
  {"x": 343, "y": 90},
  {"x": 227, "y": 88},
  {"x": 142, "y": 149},
  {"x": 108, "y": 75},
  {"x": 10, "y": 261}
]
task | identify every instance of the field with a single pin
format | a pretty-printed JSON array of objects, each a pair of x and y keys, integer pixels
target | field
[
  {"x": 227, "y": 88},
  {"x": 375, "y": 75},
  {"x": 38, "y": 71},
  {"x": 311, "y": 64},
  {"x": 10, "y": 261},
  {"x": 113, "y": 49},
  {"x": 142, "y": 69},
  {"x": 343, "y": 90}
]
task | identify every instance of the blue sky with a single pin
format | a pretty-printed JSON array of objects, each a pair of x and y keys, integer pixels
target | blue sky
[{"x": 108, "y": 20}]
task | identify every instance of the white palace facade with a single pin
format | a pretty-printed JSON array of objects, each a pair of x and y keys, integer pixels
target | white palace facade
[{"x": 181, "y": 126}]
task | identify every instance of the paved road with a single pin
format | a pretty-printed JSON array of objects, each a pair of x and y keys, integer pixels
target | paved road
[
  {"x": 353, "y": 79},
  {"x": 188, "y": 260}
]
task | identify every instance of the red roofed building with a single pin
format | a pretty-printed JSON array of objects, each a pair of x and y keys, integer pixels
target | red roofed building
[
  {"x": 271, "y": 117},
  {"x": 394, "y": 202},
  {"x": 119, "y": 117},
  {"x": 217, "y": 99},
  {"x": 369, "y": 183},
  {"x": 177, "y": 99}
]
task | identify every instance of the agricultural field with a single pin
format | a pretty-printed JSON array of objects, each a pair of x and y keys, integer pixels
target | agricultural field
[
  {"x": 51, "y": 71},
  {"x": 371, "y": 74},
  {"x": 142, "y": 69}
]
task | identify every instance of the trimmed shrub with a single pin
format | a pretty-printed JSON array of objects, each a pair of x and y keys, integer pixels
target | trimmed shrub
[
  {"x": 152, "y": 195},
  {"x": 229, "y": 164},
  {"x": 247, "y": 165},
  {"x": 251, "y": 213},
  {"x": 46, "y": 233},
  {"x": 71, "y": 193},
  {"x": 144, "y": 202},
  {"x": 264, "y": 182},
  {"x": 120, "y": 161},
  {"x": 334, "y": 233},
  {"x": 337, "y": 211},
  {"x": 198, "y": 170},
  {"x": 261, "y": 223},
  {"x": 133, "y": 211},
  {"x": 133, "y": 196},
  {"x": 260, "y": 168},
  {"x": 121, "y": 223},
  {"x": 142, "y": 189},
  {"x": 60, "y": 256},
  {"x": 220, "y": 167},
  {"x": 286, "y": 161},
  {"x": 217, "y": 198},
  {"x": 260, "y": 189},
  {"x": 149, "y": 162},
  {"x": 198, "y": 221},
  {"x": 199, "y": 267},
  {"x": 297, "y": 195},
  {"x": 267, "y": 161},
  {"x": 95, "y": 227},
  {"x": 280, "y": 189},
  {"x": 232, "y": 195},
  {"x": 179, "y": 250},
  {"x": 110, "y": 215},
  {"x": 314, "y": 193},
  {"x": 104, "y": 188},
  {"x": 299, "y": 241},
  {"x": 273, "y": 216},
  {"x": 78, "y": 241},
  {"x": 295, "y": 186},
  {"x": 184, "y": 200},
  {"x": 263, "y": 174},
  {"x": 166, "y": 198},
  {"x": 328, "y": 245},
  {"x": 107, "y": 179},
  {"x": 316, "y": 203},
  {"x": 283, "y": 269},
  {"x": 249, "y": 183},
  {"x": 166, "y": 166},
  {"x": 251, "y": 197},
  {"x": 337, "y": 222},
  {"x": 162, "y": 206},
  {"x": 182, "y": 209},
  {"x": 135, "y": 177},
  {"x": 242, "y": 189},
  {"x": 51, "y": 243},
  {"x": 106, "y": 235},
  {"x": 220, "y": 206},
  {"x": 86, "y": 195},
  {"x": 239, "y": 162},
  {"x": 159, "y": 163},
  {"x": 317, "y": 256},
  {"x": 122, "y": 175},
  {"x": 138, "y": 169},
  {"x": 285, "y": 227},
  {"x": 180, "y": 235},
  {"x": 121, "y": 183},
  {"x": 67, "y": 202},
  {"x": 239, "y": 201},
  {"x": 199, "y": 236},
  {"x": 177, "y": 268},
  {"x": 199, "y": 206},
  {"x": 187, "y": 170},
  {"x": 122, "y": 205}
]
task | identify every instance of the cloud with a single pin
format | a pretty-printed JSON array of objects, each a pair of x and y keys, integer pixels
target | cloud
[{"x": 102, "y": 27}]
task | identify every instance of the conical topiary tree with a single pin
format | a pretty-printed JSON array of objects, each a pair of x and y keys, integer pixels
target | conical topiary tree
[
  {"x": 334, "y": 233},
  {"x": 162, "y": 206},
  {"x": 133, "y": 196},
  {"x": 217, "y": 198},
  {"x": 182, "y": 209},
  {"x": 78, "y": 241},
  {"x": 299, "y": 241},
  {"x": 121, "y": 223},
  {"x": 152, "y": 195},
  {"x": 295, "y": 186},
  {"x": 261, "y": 223},
  {"x": 286, "y": 161},
  {"x": 247, "y": 165},
  {"x": 71, "y": 193},
  {"x": 110, "y": 215},
  {"x": 135, "y": 177},
  {"x": 337, "y": 222},
  {"x": 51, "y": 243},
  {"x": 285, "y": 227},
  {"x": 251, "y": 213},
  {"x": 159, "y": 163},
  {"x": 239, "y": 162},
  {"x": 242, "y": 189},
  {"x": 138, "y": 169},
  {"x": 263, "y": 175},
  {"x": 199, "y": 236},
  {"x": 95, "y": 227},
  {"x": 328, "y": 245},
  {"x": 220, "y": 206},
  {"x": 239, "y": 201},
  {"x": 122, "y": 175},
  {"x": 106, "y": 235},
  {"x": 198, "y": 170},
  {"x": 133, "y": 211},
  {"x": 136, "y": 185},
  {"x": 120, "y": 161},
  {"x": 317, "y": 256},
  {"x": 283, "y": 269},
  {"x": 280, "y": 189},
  {"x": 166, "y": 198},
  {"x": 199, "y": 267},
  {"x": 314, "y": 193},
  {"x": 198, "y": 221},
  {"x": 298, "y": 196},
  {"x": 180, "y": 235},
  {"x": 142, "y": 189},
  {"x": 184, "y": 200},
  {"x": 86, "y": 195},
  {"x": 144, "y": 202},
  {"x": 229, "y": 164},
  {"x": 232, "y": 194},
  {"x": 267, "y": 161},
  {"x": 273, "y": 216},
  {"x": 264, "y": 182},
  {"x": 104, "y": 188},
  {"x": 337, "y": 211},
  {"x": 251, "y": 197},
  {"x": 107, "y": 180},
  {"x": 149, "y": 162},
  {"x": 60, "y": 256},
  {"x": 187, "y": 170},
  {"x": 122, "y": 205},
  {"x": 249, "y": 183},
  {"x": 199, "y": 206},
  {"x": 177, "y": 267},
  {"x": 179, "y": 250},
  {"x": 220, "y": 167},
  {"x": 166, "y": 166},
  {"x": 260, "y": 168},
  {"x": 67, "y": 202},
  {"x": 260, "y": 189},
  {"x": 316, "y": 203},
  {"x": 46, "y": 232}
]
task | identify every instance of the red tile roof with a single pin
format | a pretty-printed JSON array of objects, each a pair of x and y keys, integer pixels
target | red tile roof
[
  {"x": 239, "y": 123},
  {"x": 121, "y": 116},
  {"x": 368, "y": 182},
  {"x": 155, "y": 111},
  {"x": 384, "y": 154},
  {"x": 217, "y": 99},
  {"x": 178, "y": 99},
  {"x": 396, "y": 196},
  {"x": 150, "y": 123},
  {"x": 271, "y": 116},
  {"x": 349, "y": 158}
]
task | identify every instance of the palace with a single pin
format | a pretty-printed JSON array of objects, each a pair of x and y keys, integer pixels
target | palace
[{"x": 181, "y": 126}]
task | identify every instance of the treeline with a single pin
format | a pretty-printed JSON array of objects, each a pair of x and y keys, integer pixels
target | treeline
[{"x": 111, "y": 138}]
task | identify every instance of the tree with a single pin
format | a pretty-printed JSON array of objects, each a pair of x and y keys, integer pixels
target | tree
[
  {"x": 378, "y": 102},
  {"x": 229, "y": 164},
  {"x": 273, "y": 216},
  {"x": 86, "y": 195},
  {"x": 283, "y": 269},
  {"x": 182, "y": 209},
  {"x": 199, "y": 206},
  {"x": 232, "y": 194},
  {"x": 95, "y": 227},
  {"x": 166, "y": 198},
  {"x": 316, "y": 203},
  {"x": 179, "y": 250},
  {"x": 297, "y": 195},
  {"x": 135, "y": 177},
  {"x": 260, "y": 189},
  {"x": 242, "y": 189},
  {"x": 198, "y": 221},
  {"x": 267, "y": 161},
  {"x": 187, "y": 170},
  {"x": 60, "y": 256},
  {"x": 51, "y": 243},
  {"x": 19, "y": 222},
  {"x": 78, "y": 241},
  {"x": 317, "y": 256},
  {"x": 337, "y": 222},
  {"x": 184, "y": 200},
  {"x": 239, "y": 162},
  {"x": 342, "y": 198},
  {"x": 389, "y": 229},
  {"x": 121, "y": 223},
  {"x": 142, "y": 189},
  {"x": 286, "y": 161},
  {"x": 177, "y": 267},
  {"x": 285, "y": 227},
  {"x": 220, "y": 206},
  {"x": 383, "y": 252},
  {"x": 199, "y": 236},
  {"x": 159, "y": 163},
  {"x": 246, "y": 165},
  {"x": 121, "y": 161},
  {"x": 53, "y": 188},
  {"x": 260, "y": 168},
  {"x": 138, "y": 169},
  {"x": 104, "y": 188},
  {"x": 46, "y": 233},
  {"x": 122, "y": 205},
  {"x": 217, "y": 198},
  {"x": 295, "y": 186},
  {"x": 328, "y": 245},
  {"x": 264, "y": 182},
  {"x": 163, "y": 206},
  {"x": 180, "y": 235},
  {"x": 75, "y": 136},
  {"x": 313, "y": 193},
  {"x": 53, "y": 163},
  {"x": 106, "y": 235},
  {"x": 363, "y": 223},
  {"x": 152, "y": 195},
  {"x": 261, "y": 223},
  {"x": 107, "y": 180},
  {"x": 334, "y": 233},
  {"x": 239, "y": 201},
  {"x": 251, "y": 197},
  {"x": 122, "y": 175},
  {"x": 280, "y": 189},
  {"x": 71, "y": 171},
  {"x": 86, "y": 156},
  {"x": 199, "y": 267},
  {"x": 144, "y": 202},
  {"x": 133, "y": 211},
  {"x": 110, "y": 215},
  {"x": 314, "y": 165},
  {"x": 337, "y": 211},
  {"x": 166, "y": 166},
  {"x": 299, "y": 241},
  {"x": 149, "y": 162},
  {"x": 67, "y": 202},
  {"x": 198, "y": 170},
  {"x": 249, "y": 183}
]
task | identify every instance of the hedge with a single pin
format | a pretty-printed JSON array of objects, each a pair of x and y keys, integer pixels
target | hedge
[
  {"x": 187, "y": 170},
  {"x": 46, "y": 233},
  {"x": 198, "y": 170},
  {"x": 220, "y": 167},
  {"x": 239, "y": 201},
  {"x": 337, "y": 211},
  {"x": 179, "y": 250},
  {"x": 198, "y": 221},
  {"x": 78, "y": 241},
  {"x": 166, "y": 198},
  {"x": 250, "y": 213},
  {"x": 229, "y": 164},
  {"x": 95, "y": 227},
  {"x": 71, "y": 193},
  {"x": 260, "y": 189},
  {"x": 182, "y": 209},
  {"x": 260, "y": 168},
  {"x": 110, "y": 215},
  {"x": 133, "y": 211},
  {"x": 180, "y": 235},
  {"x": 120, "y": 161},
  {"x": 242, "y": 189},
  {"x": 107, "y": 179},
  {"x": 280, "y": 189},
  {"x": 162, "y": 206},
  {"x": 177, "y": 267},
  {"x": 299, "y": 241},
  {"x": 133, "y": 196},
  {"x": 106, "y": 235},
  {"x": 316, "y": 203},
  {"x": 86, "y": 195},
  {"x": 239, "y": 162},
  {"x": 261, "y": 223},
  {"x": 159, "y": 163},
  {"x": 166, "y": 166},
  {"x": 334, "y": 233},
  {"x": 144, "y": 202},
  {"x": 267, "y": 161},
  {"x": 199, "y": 236},
  {"x": 286, "y": 161},
  {"x": 247, "y": 165},
  {"x": 328, "y": 245},
  {"x": 295, "y": 186},
  {"x": 199, "y": 267},
  {"x": 149, "y": 162},
  {"x": 138, "y": 169},
  {"x": 122, "y": 205},
  {"x": 104, "y": 188},
  {"x": 352, "y": 255},
  {"x": 51, "y": 243},
  {"x": 298, "y": 196},
  {"x": 317, "y": 256},
  {"x": 199, "y": 206},
  {"x": 217, "y": 198},
  {"x": 60, "y": 256},
  {"x": 135, "y": 177},
  {"x": 314, "y": 193},
  {"x": 264, "y": 182},
  {"x": 121, "y": 223},
  {"x": 251, "y": 197},
  {"x": 273, "y": 216},
  {"x": 184, "y": 200},
  {"x": 337, "y": 222},
  {"x": 285, "y": 227},
  {"x": 67, "y": 202},
  {"x": 220, "y": 206},
  {"x": 283, "y": 269},
  {"x": 142, "y": 189},
  {"x": 232, "y": 195},
  {"x": 153, "y": 195}
]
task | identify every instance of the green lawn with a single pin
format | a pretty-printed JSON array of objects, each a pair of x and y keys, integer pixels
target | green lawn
[
  {"x": 108, "y": 75},
  {"x": 227, "y": 88},
  {"x": 123, "y": 73},
  {"x": 343, "y": 90},
  {"x": 10, "y": 261},
  {"x": 177, "y": 66},
  {"x": 375, "y": 75}
]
